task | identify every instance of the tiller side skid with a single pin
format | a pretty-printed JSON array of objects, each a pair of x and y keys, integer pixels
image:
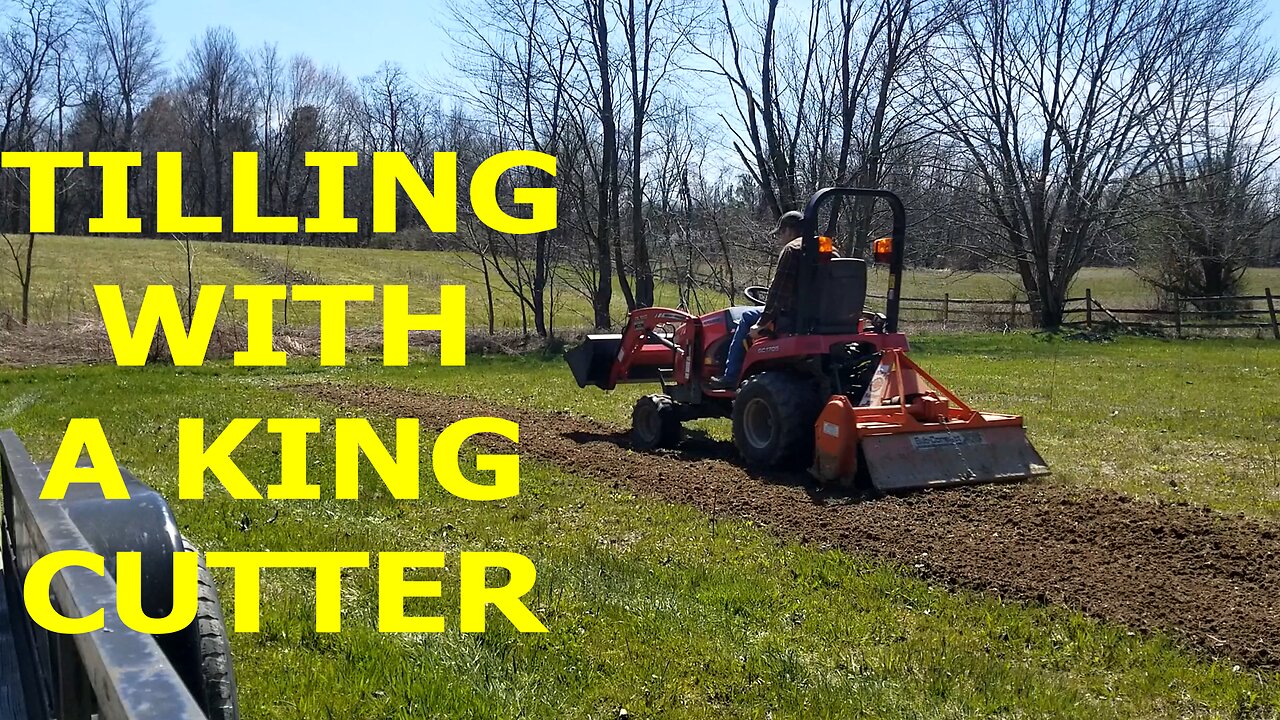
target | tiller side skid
[{"x": 911, "y": 432}]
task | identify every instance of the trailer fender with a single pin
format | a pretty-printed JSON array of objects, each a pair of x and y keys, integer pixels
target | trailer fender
[{"x": 144, "y": 524}]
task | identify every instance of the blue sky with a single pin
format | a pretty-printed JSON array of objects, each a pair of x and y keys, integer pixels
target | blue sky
[
  {"x": 355, "y": 36},
  {"x": 1272, "y": 26}
]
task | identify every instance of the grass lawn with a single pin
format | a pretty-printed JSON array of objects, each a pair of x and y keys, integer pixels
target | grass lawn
[
  {"x": 1191, "y": 420},
  {"x": 656, "y": 609},
  {"x": 66, "y": 268},
  {"x": 432, "y": 269}
]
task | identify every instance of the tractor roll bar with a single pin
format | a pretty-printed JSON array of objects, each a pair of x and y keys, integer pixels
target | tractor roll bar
[{"x": 807, "y": 310}]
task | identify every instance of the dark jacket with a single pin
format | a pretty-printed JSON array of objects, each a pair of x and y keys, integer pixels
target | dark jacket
[{"x": 779, "y": 310}]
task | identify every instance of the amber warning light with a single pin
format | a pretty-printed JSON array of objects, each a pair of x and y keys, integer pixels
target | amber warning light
[{"x": 882, "y": 249}]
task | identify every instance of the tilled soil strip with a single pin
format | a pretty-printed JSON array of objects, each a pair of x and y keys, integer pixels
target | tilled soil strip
[{"x": 1210, "y": 578}]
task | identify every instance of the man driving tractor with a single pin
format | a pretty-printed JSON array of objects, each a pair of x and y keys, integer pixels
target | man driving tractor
[
  {"x": 835, "y": 386},
  {"x": 777, "y": 308}
]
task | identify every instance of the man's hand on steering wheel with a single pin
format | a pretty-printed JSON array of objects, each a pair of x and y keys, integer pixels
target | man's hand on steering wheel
[{"x": 758, "y": 331}]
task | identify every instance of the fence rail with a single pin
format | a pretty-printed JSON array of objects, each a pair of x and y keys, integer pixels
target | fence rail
[{"x": 1178, "y": 314}]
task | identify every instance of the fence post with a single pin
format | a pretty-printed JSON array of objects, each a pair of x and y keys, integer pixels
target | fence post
[
  {"x": 1013, "y": 309},
  {"x": 1177, "y": 316},
  {"x": 1088, "y": 308},
  {"x": 946, "y": 309},
  {"x": 1271, "y": 307}
]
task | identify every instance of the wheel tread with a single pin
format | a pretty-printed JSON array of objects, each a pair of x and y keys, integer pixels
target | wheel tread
[
  {"x": 796, "y": 401},
  {"x": 671, "y": 432},
  {"x": 217, "y": 674}
]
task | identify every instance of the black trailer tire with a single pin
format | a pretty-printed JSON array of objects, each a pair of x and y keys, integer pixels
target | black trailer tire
[
  {"x": 655, "y": 423},
  {"x": 203, "y": 655},
  {"x": 773, "y": 417}
]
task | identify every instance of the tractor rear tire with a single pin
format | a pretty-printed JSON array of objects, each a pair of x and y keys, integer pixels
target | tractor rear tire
[
  {"x": 773, "y": 417},
  {"x": 655, "y": 423}
]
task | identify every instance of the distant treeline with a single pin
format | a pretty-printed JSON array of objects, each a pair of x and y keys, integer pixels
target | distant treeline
[{"x": 1030, "y": 135}]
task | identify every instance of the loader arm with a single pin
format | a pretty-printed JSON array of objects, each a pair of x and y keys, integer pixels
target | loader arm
[{"x": 639, "y": 354}]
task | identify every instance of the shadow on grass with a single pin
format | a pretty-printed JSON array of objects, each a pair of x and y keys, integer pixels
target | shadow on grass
[{"x": 699, "y": 446}]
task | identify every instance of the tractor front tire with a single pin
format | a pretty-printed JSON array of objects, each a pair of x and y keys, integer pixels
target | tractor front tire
[
  {"x": 655, "y": 423},
  {"x": 773, "y": 417}
]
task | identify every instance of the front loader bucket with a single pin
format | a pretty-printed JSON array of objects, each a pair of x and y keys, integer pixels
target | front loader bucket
[
  {"x": 592, "y": 361},
  {"x": 915, "y": 460}
]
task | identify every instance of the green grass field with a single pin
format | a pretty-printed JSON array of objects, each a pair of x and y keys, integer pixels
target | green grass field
[
  {"x": 66, "y": 268},
  {"x": 656, "y": 609},
  {"x": 653, "y": 607},
  {"x": 1129, "y": 415}
]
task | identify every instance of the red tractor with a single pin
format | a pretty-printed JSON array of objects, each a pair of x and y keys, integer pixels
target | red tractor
[{"x": 836, "y": 389}]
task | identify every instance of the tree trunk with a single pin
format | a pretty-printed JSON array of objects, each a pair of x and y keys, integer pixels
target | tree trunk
[
  {"x": 623, "y": 283},
  {"x": 639, "y": 243},
  {"x": 639, "y": 49},
  {"x": 26, "y": 281},
  {"x": 538, "y": 287},
  {"x": 607, "y": 212}
]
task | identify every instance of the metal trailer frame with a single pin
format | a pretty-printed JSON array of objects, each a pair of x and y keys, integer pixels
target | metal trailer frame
[{"x": 114, "y": 673}]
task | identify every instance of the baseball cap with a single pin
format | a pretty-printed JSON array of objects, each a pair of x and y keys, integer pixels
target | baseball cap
[{"x": 792, "y": 219}]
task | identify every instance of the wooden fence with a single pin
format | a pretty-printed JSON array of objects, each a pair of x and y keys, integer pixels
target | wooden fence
[{"x": 1180, "y": 316}]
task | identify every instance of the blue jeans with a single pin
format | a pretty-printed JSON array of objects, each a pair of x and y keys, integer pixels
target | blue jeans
[{"x": 738, "y": 346}]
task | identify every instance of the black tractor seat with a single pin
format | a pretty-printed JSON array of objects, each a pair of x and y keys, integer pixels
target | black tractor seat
[{"x": 842, "y": 296}]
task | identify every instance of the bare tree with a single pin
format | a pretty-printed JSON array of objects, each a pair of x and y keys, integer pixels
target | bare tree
[
  {"x": 29, "y": 50},
  {"x": 1202, "y": 216},
  {"x": 21, "y": 252},
  {"x": 1038, "y": 136},
  {"x": 598, "y": 69},
  {"x": 548, "y": 88},
  {"x": 1050, "y": 103},
  {"x": 299, "y": 108},
  {"x": 215, "y": 110},
  {"x": 120, "y": 38},
  {"x": 33, "y": 54},
  {"x": 653, "y": 33},
  {"x": 266, "y": 77},
  {"x": 814, "y": 94}
]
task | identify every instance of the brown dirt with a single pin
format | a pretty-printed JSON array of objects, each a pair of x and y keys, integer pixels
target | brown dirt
[{"x": 1209, "y": 578}]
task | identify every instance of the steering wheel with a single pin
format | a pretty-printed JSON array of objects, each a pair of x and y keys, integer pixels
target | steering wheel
[{"x": 756, "y": 294}]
